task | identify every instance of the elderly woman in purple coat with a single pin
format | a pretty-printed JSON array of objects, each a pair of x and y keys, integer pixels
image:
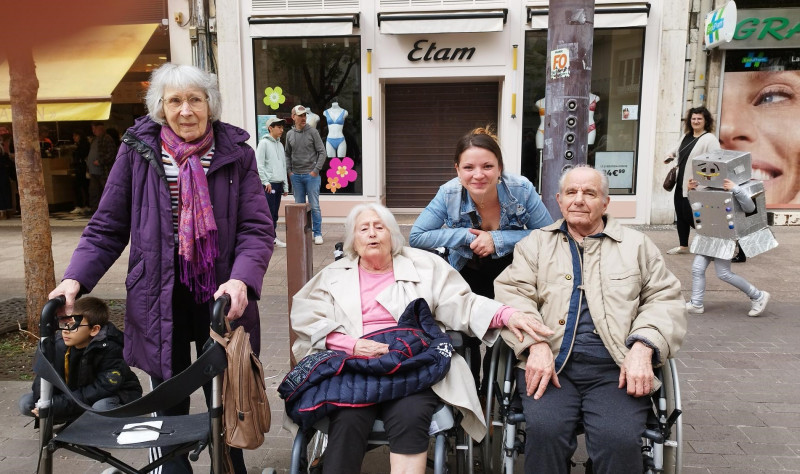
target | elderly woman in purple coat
[{"x": 185, "y": 191}]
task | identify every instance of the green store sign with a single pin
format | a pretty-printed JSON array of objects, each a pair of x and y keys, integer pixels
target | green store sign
[{"x": 766, "y": 28}]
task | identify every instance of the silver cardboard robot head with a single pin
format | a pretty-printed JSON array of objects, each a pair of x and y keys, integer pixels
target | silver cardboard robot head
[{"x": 711, "y": 169}]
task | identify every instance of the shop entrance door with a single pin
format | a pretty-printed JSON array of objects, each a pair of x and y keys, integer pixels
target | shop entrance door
[{"x": 423, "y": 124}]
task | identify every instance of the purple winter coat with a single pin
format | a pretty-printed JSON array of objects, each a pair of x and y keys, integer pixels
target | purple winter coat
[{"x": 136, "y": 205}]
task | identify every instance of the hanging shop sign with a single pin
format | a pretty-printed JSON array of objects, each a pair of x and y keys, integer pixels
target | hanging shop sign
[
  {"x": 720, "y": 25},
  {"x": 425, "y": 50},
  {"x": 766, "y": 28}
]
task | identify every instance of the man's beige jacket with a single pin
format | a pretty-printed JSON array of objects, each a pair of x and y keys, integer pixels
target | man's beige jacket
[{"x": 630, "y": 292}]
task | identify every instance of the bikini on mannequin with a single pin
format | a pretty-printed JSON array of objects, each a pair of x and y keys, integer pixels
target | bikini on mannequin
[
  {"x": 593, "y": 100},
  {"x": 335, "y": 144}
]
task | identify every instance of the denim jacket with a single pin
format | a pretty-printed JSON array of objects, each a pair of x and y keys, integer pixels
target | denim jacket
[{"x": 445, "y": 222}]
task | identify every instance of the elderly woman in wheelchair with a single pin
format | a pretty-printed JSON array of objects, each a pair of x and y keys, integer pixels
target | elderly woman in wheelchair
[{"x": 366, "y": 293}]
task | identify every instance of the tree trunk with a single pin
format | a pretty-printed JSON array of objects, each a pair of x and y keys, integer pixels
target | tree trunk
[{"x": 36, "y": 237}]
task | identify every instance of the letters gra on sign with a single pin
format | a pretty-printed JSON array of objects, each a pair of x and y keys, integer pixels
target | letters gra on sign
[{"x": 432, "y": 53}]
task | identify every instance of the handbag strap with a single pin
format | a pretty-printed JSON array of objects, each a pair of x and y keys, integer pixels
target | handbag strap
[
  {"x": 222, "y": 340},
  {"x": 687, "y": 145}
]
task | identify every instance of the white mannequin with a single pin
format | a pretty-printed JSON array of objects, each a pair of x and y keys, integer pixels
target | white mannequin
[
  {"x": 540, "y": 131},
  {"x": 593, "y": 100},
  {"x": 311, "y": 118},
  {"x": 335, "y": 144}
]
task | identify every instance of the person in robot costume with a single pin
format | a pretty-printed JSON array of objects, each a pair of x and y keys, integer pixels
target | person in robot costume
[{"x": 728, "y": 207}]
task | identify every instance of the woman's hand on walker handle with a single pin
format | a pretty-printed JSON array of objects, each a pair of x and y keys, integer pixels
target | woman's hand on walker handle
[
  {"x": 238, "y": 293},
  {"x": 520, "y": 322},
  {"x": 69, "y": 288}
]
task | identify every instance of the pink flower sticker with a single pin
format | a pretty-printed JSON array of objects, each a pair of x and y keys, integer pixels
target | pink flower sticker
[{"x": 342, "y": 170}]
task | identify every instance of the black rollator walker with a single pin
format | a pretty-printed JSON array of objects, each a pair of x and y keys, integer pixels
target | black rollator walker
[{"x": 94, "y": 432}]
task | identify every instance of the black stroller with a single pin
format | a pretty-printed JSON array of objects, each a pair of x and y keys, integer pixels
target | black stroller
[{"x": 95, "y": 432}]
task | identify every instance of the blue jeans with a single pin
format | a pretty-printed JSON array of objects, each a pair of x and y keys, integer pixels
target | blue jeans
[{"x": 306, "y": 185}]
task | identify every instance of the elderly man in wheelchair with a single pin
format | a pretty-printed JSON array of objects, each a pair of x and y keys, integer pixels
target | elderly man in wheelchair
[
  {"x": 616, "y": 311},
  {"x": 369, "y": 333}
]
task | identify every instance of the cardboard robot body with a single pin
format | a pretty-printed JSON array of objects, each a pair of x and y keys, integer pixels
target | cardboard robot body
[{"x": 719, "y": 219}]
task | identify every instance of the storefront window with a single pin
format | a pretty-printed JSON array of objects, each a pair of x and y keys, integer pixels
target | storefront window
[
  {"x": 323, "y": 74},
  {"x": 613, "y": 109}
]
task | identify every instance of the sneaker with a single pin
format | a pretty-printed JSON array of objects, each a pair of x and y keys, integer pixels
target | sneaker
[
  {"x": 692, "y": 309},
  {"x": 677, "y": 250},
  {"x": 279, "y": 243},
  {"x": 318, "y": 240},
  {"x": 758, "y": 306},
  {"x": 77, "y": 210}
]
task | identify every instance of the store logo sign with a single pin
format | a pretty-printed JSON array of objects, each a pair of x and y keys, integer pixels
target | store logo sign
[
  {"x": 751, "y": 60},
  {"x": 432, "y": 53}
]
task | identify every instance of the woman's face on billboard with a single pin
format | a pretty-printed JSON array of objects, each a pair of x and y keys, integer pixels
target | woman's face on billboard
[{"x": 760, "y": 113}]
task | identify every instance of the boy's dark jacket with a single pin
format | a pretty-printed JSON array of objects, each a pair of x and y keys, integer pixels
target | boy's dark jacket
[{"x": 98, "y": 371}]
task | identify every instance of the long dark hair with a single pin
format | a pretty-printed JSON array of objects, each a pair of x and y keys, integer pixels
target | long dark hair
[
  {"x": 481, "y": 137},
  {"x": 687, "y": 126}
]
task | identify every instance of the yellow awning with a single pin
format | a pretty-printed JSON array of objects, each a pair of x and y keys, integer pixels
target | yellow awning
[{"x": 77, "y": 75}]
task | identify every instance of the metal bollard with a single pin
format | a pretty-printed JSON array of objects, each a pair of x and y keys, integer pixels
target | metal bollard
[{"x": 299, "y": 262}]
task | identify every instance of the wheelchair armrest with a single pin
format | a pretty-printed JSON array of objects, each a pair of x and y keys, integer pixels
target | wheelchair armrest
[
  {"x": 456, "y": 338},
  {"x": 654, "y": 436}
]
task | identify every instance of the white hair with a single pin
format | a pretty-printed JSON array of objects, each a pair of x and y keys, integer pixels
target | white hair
[
  {"x": 398, "y": 241},
  {"x": 603, "y": 178},
  {"x": 181, "y": 76}
]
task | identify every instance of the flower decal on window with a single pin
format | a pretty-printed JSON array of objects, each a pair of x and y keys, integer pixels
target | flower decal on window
[
  {"x": 333, "y": 184},
  {"x": 274, "y": 97},
  {"x": 342, "y": 170}
]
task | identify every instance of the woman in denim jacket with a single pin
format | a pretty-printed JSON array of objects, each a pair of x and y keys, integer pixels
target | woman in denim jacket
[{"x": 480, "y": 215}]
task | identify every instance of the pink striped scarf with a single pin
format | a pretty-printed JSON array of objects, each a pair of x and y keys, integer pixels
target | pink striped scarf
[{"x": 197, "y": 229}]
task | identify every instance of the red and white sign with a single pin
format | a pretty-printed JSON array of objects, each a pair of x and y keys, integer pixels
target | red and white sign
[{"x": 559, "y": 63}]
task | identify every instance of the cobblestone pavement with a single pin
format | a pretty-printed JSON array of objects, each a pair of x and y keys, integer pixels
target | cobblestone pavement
[{"x": 740, "y": 376}]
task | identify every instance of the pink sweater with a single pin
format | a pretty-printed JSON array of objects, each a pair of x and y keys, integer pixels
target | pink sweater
[{"x": 375, "y": 317}]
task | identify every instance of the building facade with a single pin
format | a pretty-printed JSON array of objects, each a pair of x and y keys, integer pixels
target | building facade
[
  {"x": 414, "y": 75},
  {"x": 753, "y": 87}
]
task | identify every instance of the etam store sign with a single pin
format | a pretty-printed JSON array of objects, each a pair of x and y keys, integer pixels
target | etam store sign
[{"x": 765, "y": 28}]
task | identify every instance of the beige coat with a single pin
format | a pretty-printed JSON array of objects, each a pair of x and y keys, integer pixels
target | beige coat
[
  {"x": 331, "y": 301},
  {"x": 630, "y": 292},
  {"x": 706, "y": 143}
]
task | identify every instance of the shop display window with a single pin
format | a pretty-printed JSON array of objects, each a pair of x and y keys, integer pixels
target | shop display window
[
  {"x": 613, "y": 106},
  {"x": 323, "y": 74}
]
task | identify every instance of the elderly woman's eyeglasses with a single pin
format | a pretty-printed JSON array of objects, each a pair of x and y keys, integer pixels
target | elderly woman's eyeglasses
[
  {"x": 71, "y": 323},
  {"x": 176, "y": 103}
]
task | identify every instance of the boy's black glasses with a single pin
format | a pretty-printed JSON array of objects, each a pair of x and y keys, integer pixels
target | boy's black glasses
[{"x": 71, "y": 322}]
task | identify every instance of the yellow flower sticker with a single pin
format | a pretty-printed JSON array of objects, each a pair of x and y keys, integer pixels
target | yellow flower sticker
[{"x": 273, "y": 97}]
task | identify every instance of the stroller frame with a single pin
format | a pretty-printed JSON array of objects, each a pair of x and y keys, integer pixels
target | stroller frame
[{"x": 95, "y": 431}]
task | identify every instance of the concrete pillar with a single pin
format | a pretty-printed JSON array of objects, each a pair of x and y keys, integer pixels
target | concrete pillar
[
  {"x": 180, "y": 46},
  {"x": 674, "y": 20}
]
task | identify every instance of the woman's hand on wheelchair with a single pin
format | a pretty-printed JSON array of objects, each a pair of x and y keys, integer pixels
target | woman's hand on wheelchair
[
  {"x": 368, "y": 348},
  {"x": 520, "y": 322},
  {"x": 540, "y": 370}
]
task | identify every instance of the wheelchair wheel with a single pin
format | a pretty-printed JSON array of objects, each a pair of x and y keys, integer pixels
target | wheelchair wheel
[
  {"x": 673, "y": 447},
  {"x": 307, "y": 455},
  {"x": 500, "y": 447}
]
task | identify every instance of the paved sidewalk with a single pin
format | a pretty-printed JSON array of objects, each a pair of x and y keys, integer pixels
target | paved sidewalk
[{"x": 740, "y": 376}]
